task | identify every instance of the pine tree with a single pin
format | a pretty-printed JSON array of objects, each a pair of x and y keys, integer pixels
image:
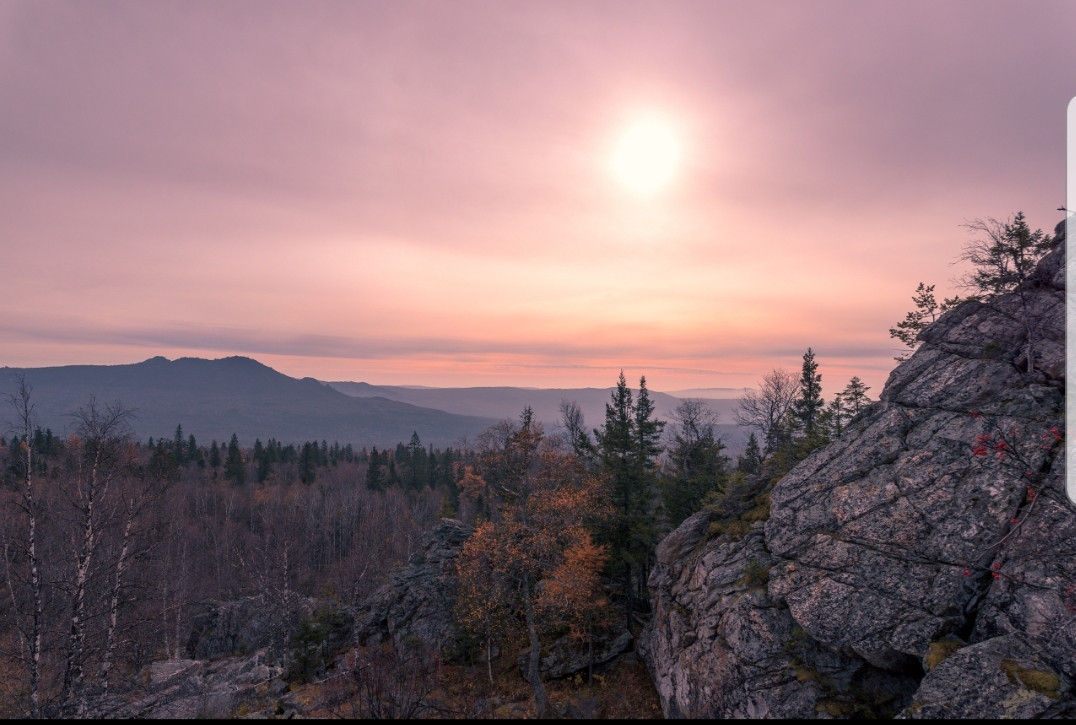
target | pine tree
[
  {"x": 925, "y": 312},
  {"x": 856, "y": 396}
]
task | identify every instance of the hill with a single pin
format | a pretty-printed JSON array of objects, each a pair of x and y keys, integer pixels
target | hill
[{"x": 213, "y": 399}]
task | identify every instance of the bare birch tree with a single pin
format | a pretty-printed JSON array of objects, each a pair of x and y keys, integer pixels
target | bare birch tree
[
  {"x": 766, "y": 408},
  {"x": 102, "y": 451},
  {"x": 20, "y": 402}
]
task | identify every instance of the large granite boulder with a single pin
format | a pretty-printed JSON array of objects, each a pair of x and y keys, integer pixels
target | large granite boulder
[
  {"x": 415, "y": 606},
  {"x": 940, "y": 514}
]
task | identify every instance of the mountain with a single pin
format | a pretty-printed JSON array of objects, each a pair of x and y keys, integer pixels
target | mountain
[
  {"x": 508, "y": 402},
  {"x": 922, "y": 565},
  {"x": 213, "y": 399}
]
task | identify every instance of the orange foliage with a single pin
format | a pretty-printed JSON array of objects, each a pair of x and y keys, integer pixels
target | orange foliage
[
  {"x": 537, "y": 559},
  {"x": 471, "y": 485}
]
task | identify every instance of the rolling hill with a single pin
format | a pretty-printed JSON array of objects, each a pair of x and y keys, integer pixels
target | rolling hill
[{"x": 215, "y": 398}]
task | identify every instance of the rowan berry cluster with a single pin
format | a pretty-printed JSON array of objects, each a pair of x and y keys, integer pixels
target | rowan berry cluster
[{"x": 1006, "y": 448}]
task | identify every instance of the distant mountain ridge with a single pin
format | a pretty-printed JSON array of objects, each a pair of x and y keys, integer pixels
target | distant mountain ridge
[
  {"x": 213, "y": 399},
  {"x": 508, "y": 402}
]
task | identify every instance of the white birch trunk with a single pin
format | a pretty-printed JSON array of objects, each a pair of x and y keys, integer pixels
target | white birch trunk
[
  {"x": 114, "y": 605},
  {"x": 76, "y": 642}
]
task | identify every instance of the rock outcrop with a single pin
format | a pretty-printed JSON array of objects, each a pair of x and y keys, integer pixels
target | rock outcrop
[
  {"x": 225, "y": 629},
  {"x": 191, "y": 688},
  {"x": 922, "y": 564},
  {"x": 416, "y": 604}
]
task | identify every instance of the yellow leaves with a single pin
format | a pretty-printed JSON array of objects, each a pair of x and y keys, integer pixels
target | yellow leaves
[
  {"x": 471, "y": 485},
  {"x": 540, "y": 539}
]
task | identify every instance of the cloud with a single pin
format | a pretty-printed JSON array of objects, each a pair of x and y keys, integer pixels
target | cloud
[{"x": 424, "y": 180}]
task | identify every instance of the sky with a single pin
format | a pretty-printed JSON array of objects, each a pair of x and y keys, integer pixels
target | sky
[{"x": 424, "y": 193}]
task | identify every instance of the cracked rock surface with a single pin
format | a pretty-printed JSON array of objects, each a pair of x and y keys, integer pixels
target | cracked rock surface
[{"x": 895, "y": 537}]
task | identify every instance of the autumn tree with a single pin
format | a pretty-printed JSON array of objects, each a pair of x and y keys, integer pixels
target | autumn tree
[
  {"x": 573, "y": 594},
  {"x": 538, "y": 540}
]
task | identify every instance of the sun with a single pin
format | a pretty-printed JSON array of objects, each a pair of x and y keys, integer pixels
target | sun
[{"x": 646, "y": 157}]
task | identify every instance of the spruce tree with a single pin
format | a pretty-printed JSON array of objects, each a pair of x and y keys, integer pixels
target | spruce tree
[
  {"x": 698, "y": 465},
  {"x": 179, "y": 447},
  {"x": 626, "y": 447},
  {"x": 750, "y": 463},
  {"x": 838, "y": 412},
  {"x": 375, "y": 477},
  {"x": 809, "y": 405},
  {"x": 234, "y": 469},
  {"x": 308, "y": 463}
]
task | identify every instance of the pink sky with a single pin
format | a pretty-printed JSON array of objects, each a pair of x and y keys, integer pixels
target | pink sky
[{"x": 419, "y": 192}]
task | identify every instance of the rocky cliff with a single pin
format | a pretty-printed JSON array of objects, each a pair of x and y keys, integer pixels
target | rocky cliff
[{"x": 922, "y": 565}]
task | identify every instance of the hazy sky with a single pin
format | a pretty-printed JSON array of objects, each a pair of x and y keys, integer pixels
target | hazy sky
[{"x": 421, "y": 192}]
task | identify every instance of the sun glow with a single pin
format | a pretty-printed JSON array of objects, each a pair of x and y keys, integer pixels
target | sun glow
[{"x": 646, "y": 157}]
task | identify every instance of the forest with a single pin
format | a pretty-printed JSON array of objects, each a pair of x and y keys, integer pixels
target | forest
[{"x": 110, "y": 544}]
